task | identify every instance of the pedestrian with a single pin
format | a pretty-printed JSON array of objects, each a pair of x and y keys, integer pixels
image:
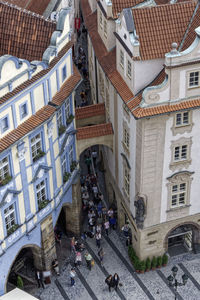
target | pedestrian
[
  {"x": 125, "y": 230},
  {"x": 113, "y": 222},
  {"x": 101, "y": 254},
  {"x": 98, "y": 228},
  {"x": 72, "y": 276},
  {"x": 95, "y": 190},
  {"x": 98, "y": 239},
  {"x": 78, "y": 259},
  {"x": 39, "y": 278},
  {"x": 73, "y": 242},
  {"x": 110, "y": 213},
  {"x": 88, "y": 259},
  {"x": 106, "y": 226},
  {"x": 99, "y": 209},
  {"x": 88, "y": 163},
  {"x": 109, "y": 281},
  {"x": 115, "y": 281},
  {"x": 94, "y": 156},
  {"x": 79, "y": 64},
  {"x": 56, "y": 266}
]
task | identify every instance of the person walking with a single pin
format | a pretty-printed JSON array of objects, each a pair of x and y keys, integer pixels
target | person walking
[
  {"x": 109, "y": 282},
  {"x": 72, "y": 276},
  {"x": 101, "y": 254},
  {"x": 39, "y": 278},
  {"x": 106, "y": 226},
  {"x": 73, "y": 242},
  {"x": 98, "y": 239},
  {"x": 56, "y": 266},
  {"x": 78, "y": 259},
  {"x": 88, "y": 163},
  {"x": 115, "y": 281},
  {"x": 88, "y": 259}
]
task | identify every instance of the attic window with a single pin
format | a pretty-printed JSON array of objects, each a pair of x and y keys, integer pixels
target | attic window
[{"x": 125, "y": 36}]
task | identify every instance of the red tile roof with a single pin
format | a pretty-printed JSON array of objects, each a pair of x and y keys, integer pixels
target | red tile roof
[
  {"x": 33, "y": 122},
  {"x": 89, "y": 132},
  {"x": 67, "y": 88},
  {"x": 119, "y": 5},
  {"x": 90, "y": 111},
  {"x": 159, "y": 26},
  {"x": 29, "y": 82},
  {"x": 36, "y": 6},
  {"x": 23, "y": 34}
]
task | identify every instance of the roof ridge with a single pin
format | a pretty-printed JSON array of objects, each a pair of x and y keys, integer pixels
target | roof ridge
[{"x": 24, "y": 10}]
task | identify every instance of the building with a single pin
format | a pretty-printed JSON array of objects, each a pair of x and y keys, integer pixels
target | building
[
  {"x": 152, "y": 173},
  {"x": 38, "y": 161}
]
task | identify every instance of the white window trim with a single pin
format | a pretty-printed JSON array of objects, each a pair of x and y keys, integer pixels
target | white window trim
[
  {"x": 7, "y": 215},
  {"x": 3, "y": 166},
  {"x": 181, "y": 163},
  {"x": 195, "y": 85},
  {"x": 34, "y": 144},
  {"x": 120, "y": 56},
  {"x": 129, "y": 63},
  {"x": 39, "y": 191},
  {"x": 180, "y": 129}
]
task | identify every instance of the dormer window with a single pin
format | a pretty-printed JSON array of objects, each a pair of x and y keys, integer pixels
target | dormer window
[{"x": 194, "y": 79}]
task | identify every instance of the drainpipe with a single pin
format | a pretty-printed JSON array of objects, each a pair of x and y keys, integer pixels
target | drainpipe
[{"x": 97, "y": 92}]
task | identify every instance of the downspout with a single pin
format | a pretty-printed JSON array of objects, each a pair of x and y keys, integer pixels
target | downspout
[{"x": 97, "y": 92}]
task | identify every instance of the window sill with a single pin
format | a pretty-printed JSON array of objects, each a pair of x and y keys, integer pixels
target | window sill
[
  {"x": 177, "y": 208},
  {"x": 182, "y": 128}
]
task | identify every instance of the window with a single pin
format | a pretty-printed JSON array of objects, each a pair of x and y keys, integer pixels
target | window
[
  {"x": 23, "y": 110},
  {"x": 63, "y": 163},
  {"x": 10, "y": 218},
  {"x": 105, "y": 28},
  {"x": 179, "y": 187},
  {"x": 67, "y": 109},
  {"x": 122, "y": 59},
  {"x": 101, "y": 19},
  {"x": 70, "y": 155},
  {"x": 182, "y": 118},
  {"x": 126, "y": 137},
  {"x": 180, "y": 152},
  {"x": 36, "y": 146},
  {"x": 4, "y": 168},
  {"x": 59, "y": 118},
  {"x": 126, "y": 181},
  {"x": 41, "y": 192},
  {"x": 129, "y": 69},
  {"x": 194, "y": 79},
  {"x": 4, "y": 124},
  {"x": 64, "y": 73},
  {"x": 178, "y": 194}
]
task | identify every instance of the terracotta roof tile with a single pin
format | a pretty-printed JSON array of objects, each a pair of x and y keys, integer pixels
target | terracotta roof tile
[
  {"x": 191, "y": 35},
  {"x": 34, "y": 121},
  {"x": 89, "y": 132},
  {"x": 119, "y": 5},
  {"x": 36, "y": 6},
  {"x": 29, "y": 82},
  {"x": 159, "y": 26},
  {"x": 67, "y": 88},
  {"x": 23, "y": 34},
  {"x": 90, "y": 111}
]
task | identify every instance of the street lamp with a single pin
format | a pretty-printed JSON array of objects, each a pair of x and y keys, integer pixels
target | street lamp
[{"x": 172, "y": 278}]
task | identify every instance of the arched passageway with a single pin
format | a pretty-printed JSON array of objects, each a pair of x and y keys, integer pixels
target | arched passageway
[{"x": 183, "y": 238}]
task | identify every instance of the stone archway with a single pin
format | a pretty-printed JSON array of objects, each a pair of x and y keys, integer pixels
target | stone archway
[
  {"x": 28, "y": 257},
  {"x": 186, "y": 235}
]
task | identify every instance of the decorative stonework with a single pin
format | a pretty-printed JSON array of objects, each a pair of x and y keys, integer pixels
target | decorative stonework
[
  {"x": 50, "y": 130},
  {"x": 21, "y": 153}
]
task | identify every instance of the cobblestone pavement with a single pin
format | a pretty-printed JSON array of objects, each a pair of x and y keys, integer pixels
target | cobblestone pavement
[{"x": 91, "y": 284}]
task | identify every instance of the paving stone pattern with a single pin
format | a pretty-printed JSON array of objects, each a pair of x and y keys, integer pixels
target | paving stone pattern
[{"x": 91, "y": 284}]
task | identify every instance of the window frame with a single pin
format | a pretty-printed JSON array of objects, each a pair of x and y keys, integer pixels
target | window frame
[
  {"x": 120, "y": 58},
  {"x": 71, "y": 154},
  {"x": 67, "y": 109},
  {"x": 22, "y": 116},
  {"x": 182, "y": 116},
  {"x": 180, "y": 159},
  {"x": 4, "y": 129},
  {"x": 101, "y": 19},
  {"x": 7, "y": 215},
  {"x": 39, "y": 191},
  {"x": 105, "y": 29},
  {"x": 129, "y": 69},
  {"x": 127, "y": 181},
  {"x": 64, "y": 73},
  {"x": 195, "y": 79},
  {"x": 9, "y": 169},
  {"x": 35, "y": 142}
]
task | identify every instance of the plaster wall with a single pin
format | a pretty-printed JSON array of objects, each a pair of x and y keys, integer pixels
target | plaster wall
[{"x": 39, "y": 97}]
